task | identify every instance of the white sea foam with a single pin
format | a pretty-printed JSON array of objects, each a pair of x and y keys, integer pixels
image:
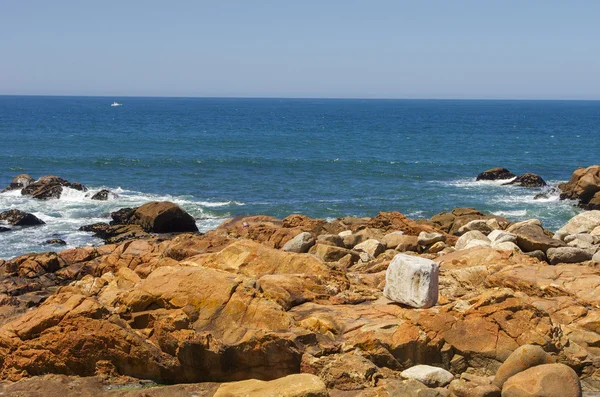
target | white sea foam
[
  {"x": 75, "y": 208},
  {"x": 519, "y": 213}
]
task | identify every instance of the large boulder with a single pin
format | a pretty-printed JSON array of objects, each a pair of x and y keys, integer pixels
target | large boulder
[
  {"x": 495, "y": 174},
  {"x": 594, "y": 203},
  {"x": 49, "y": 187},
  {"x": 531, "y": 236},
  {"x": 20, "y": 218},
  {"x": 583, "y": 185},
  {"x": 568, "y": 255},
  {"x": 451, "y": 222},
  {"x": 481, "y": 225},
  {"x": 19, "y": 182},
  {"x": 585, "y": 222},
  {"x": 524, "y": 357},
  {"x": 547, "y": 380},
  {"x": 412, "y": 281},
  {"x": 163, "y": 217},
  {"x": 528, "y": 180}
]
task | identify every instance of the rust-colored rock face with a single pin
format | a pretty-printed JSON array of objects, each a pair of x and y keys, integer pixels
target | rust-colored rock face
[
  {"x": 231, "y": 305},
  {"x": 583, "y": 185}
]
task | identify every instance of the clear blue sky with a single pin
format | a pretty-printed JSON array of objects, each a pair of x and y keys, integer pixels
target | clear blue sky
[{"x": 303, "y": 48}]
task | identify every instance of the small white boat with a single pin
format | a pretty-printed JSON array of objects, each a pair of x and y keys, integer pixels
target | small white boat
[{"x": 116, "y": 104}]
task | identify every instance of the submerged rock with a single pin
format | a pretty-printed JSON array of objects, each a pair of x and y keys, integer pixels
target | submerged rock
[
  {"x": 55, "y": 241},
  {"x": 412, "y": 281},
  {"x": 20, "y": 218},
  {"x": 102, "y": 195},
  {"x": 495, "y": 174}
]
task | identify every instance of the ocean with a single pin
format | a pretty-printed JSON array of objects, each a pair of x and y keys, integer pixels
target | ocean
[{"x": 325, "y": 158}]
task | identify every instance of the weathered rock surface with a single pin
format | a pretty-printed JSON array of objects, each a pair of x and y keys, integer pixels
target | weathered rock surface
[
  {"x": 101, "y": 195},
  {"x": 412, "y": 281},
  {"x": 231, "y": 305},
  {"x": 49, "y": 187},
  {"x": 20, "y": 218},
  {"x": 528, "y": 180},
  {"x": 495, "y": 174},
  {"x": 585, "y": 223},
  {"x": 163, "y": 217},
  {"x": 428, "y": 375},
  {"x": 427, "y": 239},
  {"x": 531, "y": 236},
  {"x": 19, "y": 182},
  {"x": 477, "y": 224},
  {"x": 469, "y": 237},
  {"x": 524, "y": 357},
  {"x": 547, "y": 380},
  {"x": 451, "y": 222},
  {"x": 583, "y": 185},
  {"x": 300, "y": 244},
  {"x": 568, "y": 255},
  {"x": 300, "y": 385}
]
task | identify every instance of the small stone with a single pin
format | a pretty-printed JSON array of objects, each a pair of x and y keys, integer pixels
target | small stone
[
  {"x": 428, "y": 375},
  {"x": 507, "y": 246},
  {"x": 333, "y": 239},
  {"x": 412, "y": 281},
  {"x": 427, "y": 239},
  {"x": 55, "y": 241},
  {"x": 500, "y": 236},
  {"x": 371, "y": 247},
  {"x": 102, "y": 195},
  {"x": 300, "y": 244},
  {"x": 477, "y": 224},
  {"x": 463, "y": 240},
  {"x": 437, "y": 247}
]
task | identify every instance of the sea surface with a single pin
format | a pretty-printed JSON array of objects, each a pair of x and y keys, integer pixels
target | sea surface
[{"x": 325, "y": 158}]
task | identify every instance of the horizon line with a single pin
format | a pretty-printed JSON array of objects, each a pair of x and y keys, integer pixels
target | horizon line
[{"x": 301, "y": 97}]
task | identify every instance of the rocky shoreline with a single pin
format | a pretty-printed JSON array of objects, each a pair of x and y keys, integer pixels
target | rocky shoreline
[{"x": 461, "y": 304}]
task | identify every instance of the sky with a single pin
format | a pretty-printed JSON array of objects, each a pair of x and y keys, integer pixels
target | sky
[{"x": 467, "y": 49}]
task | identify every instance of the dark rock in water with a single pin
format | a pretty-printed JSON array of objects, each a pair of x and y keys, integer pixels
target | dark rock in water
[
  {"x": 494, "y": 174},
  {"x": 99, "y": 229},
  {"x": 546, "y": 195},
  {"x": 101, "y": 195},
  {"x": 528, "y": 180},
  {"x": 20, "y": 218},
  {"x": 55, "y": 241},
  {"x": 163, "y": 217},
  {"x": 115, "y": 233},
  {"x": 49, "y": 186},
  {"x": 4, "y": 229},
  {"x": 593, "y": 204},
  {"x": 122, "y": 216},
  {"x": 19, "y": 182}
]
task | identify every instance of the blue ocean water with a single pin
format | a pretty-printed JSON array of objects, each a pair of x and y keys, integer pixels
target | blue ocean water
[{"x": 320, "y": 157}]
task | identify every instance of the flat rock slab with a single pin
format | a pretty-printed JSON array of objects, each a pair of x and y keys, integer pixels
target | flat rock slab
[{"x": 428, "y": 375}]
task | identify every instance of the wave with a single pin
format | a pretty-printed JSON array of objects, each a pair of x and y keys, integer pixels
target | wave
[{"x": 75, "y": 208}]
